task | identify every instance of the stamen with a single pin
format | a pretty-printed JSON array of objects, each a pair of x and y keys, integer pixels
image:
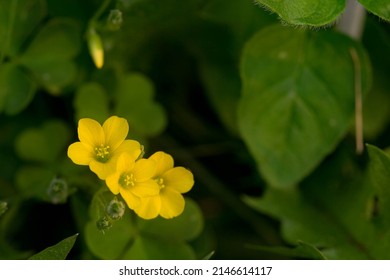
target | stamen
[
  {"x": 127, "y": 180},
  {"x": 160, "y": 182},
  {"x": 102, "y": 153}
]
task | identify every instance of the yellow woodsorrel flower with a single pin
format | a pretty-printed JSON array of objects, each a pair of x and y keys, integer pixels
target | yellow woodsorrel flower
[
  {"x": 101, "y": 146},
  {"x": 172, "y": 182},
  {"x": 133, "y": 179}
]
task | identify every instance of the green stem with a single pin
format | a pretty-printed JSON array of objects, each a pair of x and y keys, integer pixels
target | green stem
[
  {"x": 8, "y": 35},
  {"x": 100, "y": 11}
]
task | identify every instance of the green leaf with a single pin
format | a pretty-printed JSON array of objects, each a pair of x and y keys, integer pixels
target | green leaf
[
  {"x": 185, "y": 227},
  {"x": 306, "y": 12},
  {"x": 296, "y": 105},
  {"x": 16, "y": 89},
  {"x": 375, "y": 109},
  {"x": 135, "y": 103},
  {"x": 49, "y": 54},
  {"x": 147, "y": 248},
  {"x": 59, "y": 39},
  {"x": 112, "y": 243},
  {"x": 379, "y": 174},
  {"x": 134, "y": 238},
  {"x": 18, "y": 19},
  {"x": 57, "y": 252},
  {"x": 43, "y": 144},
  {"x": 337, "y": 209},
  {"x": 91, "y": 101},
  {"x": 381, "y": 8}
]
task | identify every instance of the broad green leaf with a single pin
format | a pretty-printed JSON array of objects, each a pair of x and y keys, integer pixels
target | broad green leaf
[
  {"x": 135, "y": 103},
  {"x": 376, "y": 105},
  {"x": 17, "y": 89},
  {"x": 91, "y": 101},
  {"x": 112, "y": 243},
  {"x": 147, "y": 248},
  {"x": 49, "y": 54},
  {"x": 379, "y": 171},
  {"x": 18, "y": 19},
  {"x": 58, "y": 40},
  {"x": 185, "y": 227},
  {"x": 296, "y": 105},
  {"x": 346, "y": 214},
  {"x": 306, "y": 12},
  {"x": 54, "y": 75},
  {"x": 43, "y": 144},
  {"x": 381, "y": 8},
  {"x": 56, "y": 252}
]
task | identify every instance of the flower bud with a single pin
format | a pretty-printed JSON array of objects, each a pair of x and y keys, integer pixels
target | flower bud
[
  {"x": 3, "y": 207},
  {"x": 115, "y": 209},
  {"x": 114, "y": 20},
  {"x": 95, "y": 46},
  {"x": 103, "y": 224},
  {"x": 58, "y": 191}
]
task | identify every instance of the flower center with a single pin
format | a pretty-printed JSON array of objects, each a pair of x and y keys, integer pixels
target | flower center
[
  {"x": 102, "y": 153},
  {"x": 160, "y": 182},
  {"x": 127, "y": 180}
]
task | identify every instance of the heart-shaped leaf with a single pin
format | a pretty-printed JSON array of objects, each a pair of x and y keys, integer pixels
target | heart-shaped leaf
[
  {"x": 380, "y": 8},
  {"x": 17, "y": 89},
  {"x": 296, "y": 105},
  {"x": 306, "y": 12},
  {"x": 43, "y": 144},
  {"x": 135, "y": 103},
  {"x": 18, "y": 19},
  {"x": 91, "y": 101}
]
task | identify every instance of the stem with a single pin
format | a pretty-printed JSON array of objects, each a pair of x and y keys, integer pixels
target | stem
[
  {"x": 8, "y": 34},
  {"x": 352, "y": 24},
  {"x": 101, "y": 10},
  {"x": 358, "y": 102}
]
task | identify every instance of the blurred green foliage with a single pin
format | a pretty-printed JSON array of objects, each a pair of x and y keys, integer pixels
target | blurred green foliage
[{"x": 260, "y": 112}]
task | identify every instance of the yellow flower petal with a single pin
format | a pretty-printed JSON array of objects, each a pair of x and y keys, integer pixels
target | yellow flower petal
[
  {"x": 144, "y": 169},
  {"x": 179, "y": 179},
  {"x": 112, "y": 183},
  {"x": 124, "y": 162},
  {"x": 145, "y": 189},
  {"x": 172, "y": 203},
  {"x": 164, "y": 162},
  {"x": 115, "y": 130},
  {"x": 90, "y": 132},
  {"x": 80, "y": 153},
  {"x": 149, "y": 207},
  {"x": 131, "y": 200},
  {"x": 131, "y": 147},
  {"x": 103, "y": 170}
]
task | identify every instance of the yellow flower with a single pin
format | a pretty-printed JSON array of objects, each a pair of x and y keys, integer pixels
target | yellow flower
[
  {"x": 100, "y": 146},
  {"x": 133, "y": 179},
  {"x": 172, "y": 181}
]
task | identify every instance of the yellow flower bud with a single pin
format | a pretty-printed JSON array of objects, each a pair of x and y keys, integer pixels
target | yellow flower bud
[{"x": 95, "y": 45}]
